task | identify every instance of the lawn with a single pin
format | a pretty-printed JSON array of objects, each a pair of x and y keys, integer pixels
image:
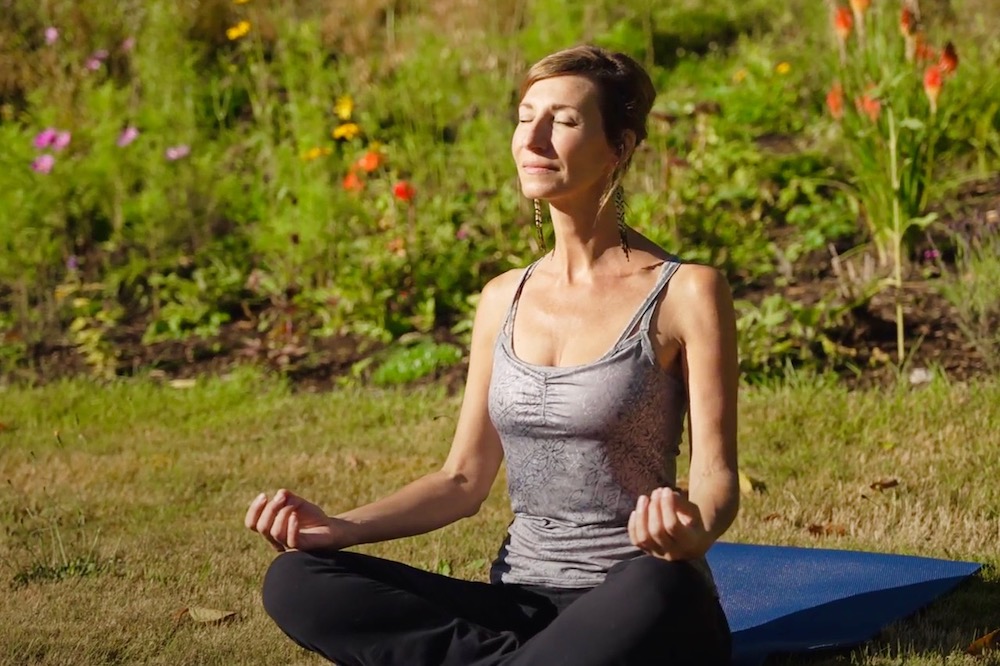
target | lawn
[{"x": 122, "y": 503}]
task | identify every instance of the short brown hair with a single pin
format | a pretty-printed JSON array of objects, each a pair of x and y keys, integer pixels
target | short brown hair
[{"x": 625, "y": 89}]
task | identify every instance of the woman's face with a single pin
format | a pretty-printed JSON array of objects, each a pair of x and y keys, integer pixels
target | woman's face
[{"x": 559, "y": 145}]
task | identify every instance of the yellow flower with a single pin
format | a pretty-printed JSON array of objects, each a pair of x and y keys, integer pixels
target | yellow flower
[
  {"x": 347, "y": 131},
  {"x": 240, "y": 2},
  {"x": 344, "y": 107},
  {"x": 316, "y": 153},
  {"x": 783, "y": 68},
  {"x": 739, "y": 76},
  {"x": 239, "y": 30}
]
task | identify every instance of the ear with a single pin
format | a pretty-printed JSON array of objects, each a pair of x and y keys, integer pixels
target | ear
[{"x": 627, "y": 145}]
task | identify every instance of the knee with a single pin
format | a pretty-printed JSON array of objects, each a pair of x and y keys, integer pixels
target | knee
[
  {"x": 660, "y": 582},
  {"x": 284, "y": 583}
]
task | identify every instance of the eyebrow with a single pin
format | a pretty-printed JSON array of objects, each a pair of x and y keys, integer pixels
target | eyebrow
[{"x": 554, "y": 107}]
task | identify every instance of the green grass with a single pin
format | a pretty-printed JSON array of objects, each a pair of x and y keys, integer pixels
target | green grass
[{"x": 123, "y": 503}]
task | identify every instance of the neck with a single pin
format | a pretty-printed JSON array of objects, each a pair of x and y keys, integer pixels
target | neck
[{"x": 586, "y": 238}]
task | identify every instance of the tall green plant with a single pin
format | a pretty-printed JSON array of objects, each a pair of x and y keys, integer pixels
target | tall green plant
[{"x": 893, "y": 78}]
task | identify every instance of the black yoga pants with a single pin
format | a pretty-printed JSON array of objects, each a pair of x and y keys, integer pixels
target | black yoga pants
[{"x": 358, "y": 610}]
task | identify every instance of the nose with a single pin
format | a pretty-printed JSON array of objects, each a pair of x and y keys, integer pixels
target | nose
[{"x": 538, "y": 135}]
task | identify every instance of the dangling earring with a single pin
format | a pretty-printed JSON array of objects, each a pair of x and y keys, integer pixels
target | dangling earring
[
  {"x": 620, "y": 212},
  {"x": 538, "y": 224}
]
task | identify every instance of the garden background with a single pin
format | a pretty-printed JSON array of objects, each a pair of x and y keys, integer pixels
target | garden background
[{"x": 260, "y": 228}]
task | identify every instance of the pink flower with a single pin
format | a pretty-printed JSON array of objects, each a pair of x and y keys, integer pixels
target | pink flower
[
  {"x": 175, "y": 153},
  {"x": 96, "y": 59},
  {"x": 61, "y": 140},
  {"x": 128, "y": 135},
  {"x": 43, "y": 163},
  {"x": 45, "y": 138},
  {"x": 51, "y": 35},
  {"x": 128, "y": 44}
]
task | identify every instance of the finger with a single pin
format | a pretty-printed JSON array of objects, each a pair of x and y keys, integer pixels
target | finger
[
  {"x": 641, "y": 522},
  {"x": 293, "y": 530},
  {"x": 657, "y": 536},
  {"x": 266, "y": 518},
  {"x": 253, "y": 512},
  {"x": 668, "y": 513},
  {"x": 279, "y": 528}
]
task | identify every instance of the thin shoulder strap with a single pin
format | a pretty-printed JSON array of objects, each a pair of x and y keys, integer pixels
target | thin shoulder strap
[
  {"x": 512, "y": 310},
  {"x": 650, "y": 305},
  {"x": 641, "y": 319}
]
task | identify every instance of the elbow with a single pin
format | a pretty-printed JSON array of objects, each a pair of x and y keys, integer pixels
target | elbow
[{"x": 467, "y": 497}]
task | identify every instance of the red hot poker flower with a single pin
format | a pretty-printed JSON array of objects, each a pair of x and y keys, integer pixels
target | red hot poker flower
[
  {"x": 860, "y": 6},
  {"x": 843, "y": 21},
  {"x": 907, "y": 22},
  {"x": 932, "y": 85},
  {"x": 835, "y": 101},
  {"x": 949, "y": 59},
  {"x": 923, "y": 51},
  {"x": 403, "y": 191}
]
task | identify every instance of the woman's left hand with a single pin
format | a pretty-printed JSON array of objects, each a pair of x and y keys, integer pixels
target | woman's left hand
[{"x": 668, "y": 525}]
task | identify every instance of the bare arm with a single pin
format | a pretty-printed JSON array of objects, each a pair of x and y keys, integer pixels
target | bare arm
[
  {"x": 667, "y": 524},
  {"x": 437, "y": 499},
  {"x": 712, "y": 373}
]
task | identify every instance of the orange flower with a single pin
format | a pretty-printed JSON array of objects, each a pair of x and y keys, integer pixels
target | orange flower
[
  {"x": 835, "y": 101},
  {"x": 843, "y": 21},
  {"x": 860, "y": 6},
  {"x": 371, "y": 161},
  {"x": 403, "y": 191},
  {"x": 949, "y": 59},
  {"x": 869, "y": 105},
  {"x": 932, "y": 85},
  {"x": 352, "y": 183}
]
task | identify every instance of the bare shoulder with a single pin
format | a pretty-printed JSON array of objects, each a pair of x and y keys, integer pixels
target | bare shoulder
[
  {"x": 494, "y": 300},
  {"x": 698, "y": 296}
]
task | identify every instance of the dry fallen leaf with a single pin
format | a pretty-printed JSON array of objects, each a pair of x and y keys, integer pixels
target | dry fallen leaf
[
  {"x": 884, "y": 484},
  {"x": 827, "y": 529},
  {"x": 749, "y": 485},
  {"x": 204, "y": 615},
  {"x": 990, "y": 641}
]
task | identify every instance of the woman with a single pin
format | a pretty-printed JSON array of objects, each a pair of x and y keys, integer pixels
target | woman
[{"x": 581, "y": 369}]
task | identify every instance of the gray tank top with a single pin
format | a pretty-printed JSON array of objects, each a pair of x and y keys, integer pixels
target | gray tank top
[{"x": 581, "y": 444}]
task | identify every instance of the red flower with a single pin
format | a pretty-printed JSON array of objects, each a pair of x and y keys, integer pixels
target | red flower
[
  {"x": 835, "y": 101},
  {"x": 371, "y": 161},
  {"x": 932, "y": 85},
  {"x": 843, "y": 21},
  {"x": 352, "y": 183},
  {"x": 403, "y": 191},
  {"x": 949, "y": 59}
]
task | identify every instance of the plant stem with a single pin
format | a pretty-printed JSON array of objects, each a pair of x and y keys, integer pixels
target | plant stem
[{"x": 897, "y": 239}]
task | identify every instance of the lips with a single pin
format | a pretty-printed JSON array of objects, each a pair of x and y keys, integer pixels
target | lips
[{"x": 538, "y": 168}]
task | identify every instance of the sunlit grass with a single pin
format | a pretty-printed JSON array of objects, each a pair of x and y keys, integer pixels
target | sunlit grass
[{"x": 134, "y": 493}]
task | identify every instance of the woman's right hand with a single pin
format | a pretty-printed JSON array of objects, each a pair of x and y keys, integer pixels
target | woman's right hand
[{"x": 289, "y": 522}]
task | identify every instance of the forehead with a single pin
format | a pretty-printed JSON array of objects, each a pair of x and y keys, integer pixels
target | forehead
[{"x": 576, "y": 91}]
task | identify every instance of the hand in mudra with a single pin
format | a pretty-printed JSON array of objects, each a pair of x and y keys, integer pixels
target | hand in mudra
[
  {"x": 289, "y": 522},
  {"x": 668, "y": 525}
]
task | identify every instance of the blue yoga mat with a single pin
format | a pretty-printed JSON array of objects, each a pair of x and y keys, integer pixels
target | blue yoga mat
[{"x": 780, "y": 599}]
